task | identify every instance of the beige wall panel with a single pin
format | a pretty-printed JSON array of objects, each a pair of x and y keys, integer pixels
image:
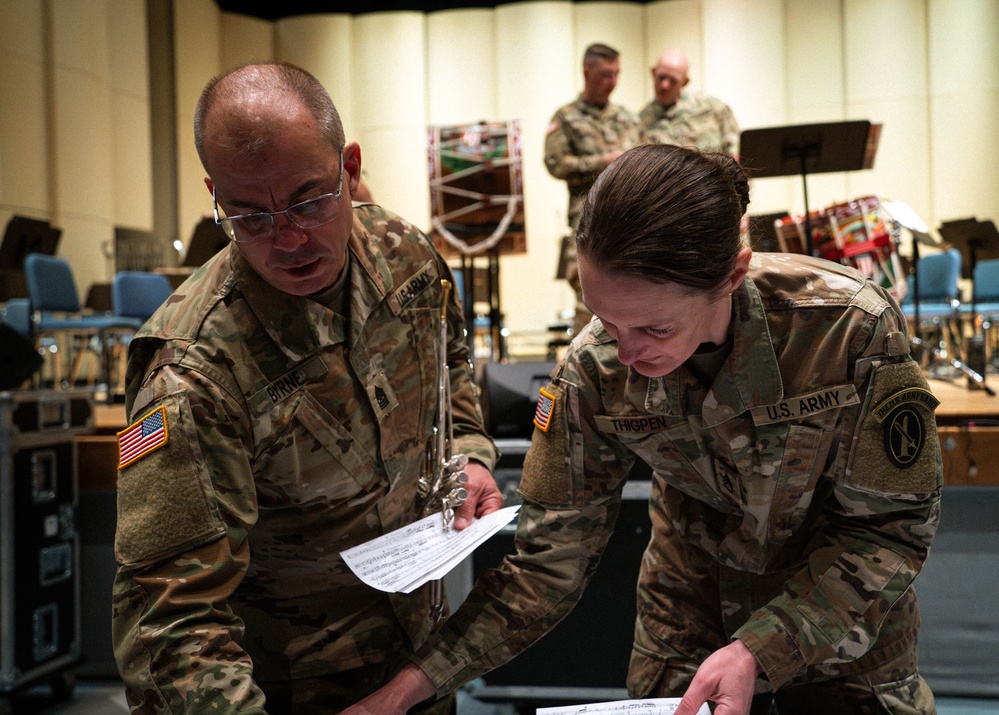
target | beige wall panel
[
  {"x": 742, "y": 62},
  {"x": 885, "y": 49},
  {"x": 133, "y": 186},
  {"x": 129, "y": 50},
  {"x": 622, "y": 26},
  {"x": 813, "y": 62},
  {"x": 24, "y": 139},
  {"x": 461, "y": 67},
  {"x": 964, "y": 45},
  {"x": 131, "y": 121},
  {"x": 80, "y": 38},
  {"x": 530, "y": 36},
  {"x": 901, "y": 167},
  {"x": 673, "y": 24},
  {"x": 197, "y": 59},
  {"x": 84, "y": 170},
  {"x": 245, "y": 39},
  {"x": 886, "y": 83},
  {"x": 400, "y": 186},
  {"x": 743, "y": 57},
  {"x": 83, "y": 178},
  {"x": 323, "y": 45},
  {"x": 84, "y": 242},
  {"x": 964, "y": 149},
  {"x": 964, "y": 108},
  {"x": 390, "y": 110},
  {"x": 22, "y": 28}
]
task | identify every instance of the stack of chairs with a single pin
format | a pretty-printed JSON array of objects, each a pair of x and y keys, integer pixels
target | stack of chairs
[{"x": 58, "y": 319}]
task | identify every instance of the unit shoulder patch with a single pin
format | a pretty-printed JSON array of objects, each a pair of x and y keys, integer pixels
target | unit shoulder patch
[{"x": 897, "y": 446}]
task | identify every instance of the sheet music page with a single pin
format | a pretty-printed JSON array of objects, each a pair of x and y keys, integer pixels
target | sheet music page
[
  {"x": 655, "y": 706},
  {"x": 405, "y": 559}
]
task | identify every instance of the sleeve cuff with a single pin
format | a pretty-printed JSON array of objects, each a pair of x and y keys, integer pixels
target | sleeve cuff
[
  {"x": 775, "y": 649},
  {"x": 477, "y": 447}
]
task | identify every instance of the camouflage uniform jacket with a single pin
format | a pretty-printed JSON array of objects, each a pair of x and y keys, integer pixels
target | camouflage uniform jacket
[
  {"x": 292, "y": 433},
  {"x": 696, "y": 120},
  {"x": 578, "y": 136},
  {"x": 814, "y": 454}
]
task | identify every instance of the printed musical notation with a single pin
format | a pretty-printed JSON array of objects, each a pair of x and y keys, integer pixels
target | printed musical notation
[
  {"x": 655, "y": 706},
  {"x": 405, "y": 559}
]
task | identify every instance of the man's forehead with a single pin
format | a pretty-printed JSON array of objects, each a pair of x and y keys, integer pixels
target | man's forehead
[{"x": 672, "y": 72}]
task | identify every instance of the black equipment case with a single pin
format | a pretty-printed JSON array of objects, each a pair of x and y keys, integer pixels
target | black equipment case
[{"x": 39, "y": 541}]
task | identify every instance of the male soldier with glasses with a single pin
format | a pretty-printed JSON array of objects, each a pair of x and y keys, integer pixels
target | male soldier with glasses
[{"x": 280, "y": 404}]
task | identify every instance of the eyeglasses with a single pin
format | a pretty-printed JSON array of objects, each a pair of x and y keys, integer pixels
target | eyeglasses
[{"x": 261, "y": 226}]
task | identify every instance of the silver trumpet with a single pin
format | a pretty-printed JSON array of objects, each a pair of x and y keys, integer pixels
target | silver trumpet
[{"x": 442, "y": 485}]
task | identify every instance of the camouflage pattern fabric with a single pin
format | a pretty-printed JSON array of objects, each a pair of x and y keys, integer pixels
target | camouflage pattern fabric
[
  {"x": 696, "y": 120},
  {"x": 577, "y": 138},
  {"x": 292, "y": 433},
  {"x": 794, "y": 499}
]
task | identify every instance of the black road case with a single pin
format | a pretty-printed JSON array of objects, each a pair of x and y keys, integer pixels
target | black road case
[{"x": 39, "y": 542}]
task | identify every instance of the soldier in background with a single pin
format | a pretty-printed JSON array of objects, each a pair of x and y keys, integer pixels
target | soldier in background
[
  {"x": 583, "y": 137},
  {"x": 683, "y": 117},
  {"x": 796, "y": 469},
  {"x": 281, "y": 405}
]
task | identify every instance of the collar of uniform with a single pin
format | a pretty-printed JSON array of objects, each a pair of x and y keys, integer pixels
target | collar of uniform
[
  {"x": 749, "y": 378},
  {"x": 672, "y": 109},
  {"x": 371, "y": 280},
  {"x": 298, "y": 326},
  {"x": 593, "y": 110}
]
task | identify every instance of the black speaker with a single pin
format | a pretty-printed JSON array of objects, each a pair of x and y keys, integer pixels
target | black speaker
[
  {"x": 18, "y": 358},
  {"x": 585, "y": 657},
  {"x": 510, "y": 396}
]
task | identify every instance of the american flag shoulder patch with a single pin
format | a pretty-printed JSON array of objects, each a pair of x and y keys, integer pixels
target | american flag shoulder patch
[
  {"x": 543, "y": 413},
  {"x": 145, "y": 436}
]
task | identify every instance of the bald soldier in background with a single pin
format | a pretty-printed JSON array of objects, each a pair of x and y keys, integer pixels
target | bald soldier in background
[
  {"x": 584, "y": 137},
  {"x": 281, "y": 404},
  {"x": 681, "y": 116}
]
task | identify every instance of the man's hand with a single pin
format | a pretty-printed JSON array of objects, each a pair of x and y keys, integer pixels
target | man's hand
[
  {"x": 483, "y": 495},
  {"x": 727, "y": 677},
  {"x": 409, "y": 687}
]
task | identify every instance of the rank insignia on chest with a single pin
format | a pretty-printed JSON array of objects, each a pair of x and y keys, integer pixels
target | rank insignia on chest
[
  {"x": 145, "y": 436},
  {"x": 543, "y": 413}
]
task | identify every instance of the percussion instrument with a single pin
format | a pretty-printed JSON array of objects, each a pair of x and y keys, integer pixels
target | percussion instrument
[{"x": 853, "y": 233}]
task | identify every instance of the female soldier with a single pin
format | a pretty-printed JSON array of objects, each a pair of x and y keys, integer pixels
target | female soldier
[{"x": 796, "y": 470}]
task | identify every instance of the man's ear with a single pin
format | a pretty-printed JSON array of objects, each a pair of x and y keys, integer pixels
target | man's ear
[
  {"x": 352, "y": 166},
  {"x": 210, "y": 184}
]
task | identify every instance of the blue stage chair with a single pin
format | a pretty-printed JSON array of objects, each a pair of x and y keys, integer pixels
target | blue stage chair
[
  {"x": 939, "y": 300},
  {"x": 985, "y": 301},
  {"x": 56, "y": 311},
  {"x": 137, "y": 294}
]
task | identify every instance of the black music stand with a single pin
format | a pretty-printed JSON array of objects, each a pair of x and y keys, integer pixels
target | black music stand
[
  {"x": 809, "y": 149},
  {"x": 22, "y": 236}
]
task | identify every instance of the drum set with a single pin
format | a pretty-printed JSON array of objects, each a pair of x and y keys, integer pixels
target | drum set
[
  {"x": 855, "y": 233},
  {"x": 865, "y": 234}
]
